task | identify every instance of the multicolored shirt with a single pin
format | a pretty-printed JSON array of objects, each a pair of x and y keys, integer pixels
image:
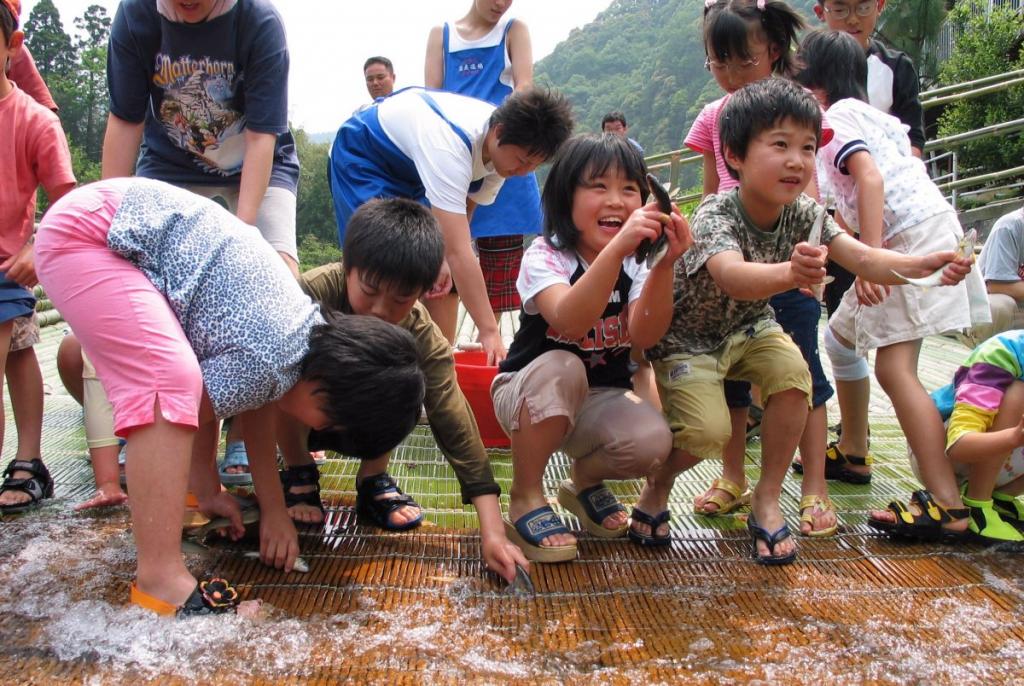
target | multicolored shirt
[
  {"x": 704, "y": 315},
  {"x": 971, "y": 402},
  {"x": 242, "y": 311},
  {"x": 605, "y": 348}
]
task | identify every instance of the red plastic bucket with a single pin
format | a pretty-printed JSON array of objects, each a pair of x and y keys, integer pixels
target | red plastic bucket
[{"x": 475, "y": 377}]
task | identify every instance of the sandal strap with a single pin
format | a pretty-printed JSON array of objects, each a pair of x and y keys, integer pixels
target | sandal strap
[
  {"x": 730, "y": 487},
  {"x": 38, "y": 486},
  {"x": 599, "y": 503},
  {"x": 836, "y": 455},
  {"x": 654, "y": 522},
  {"x": 814, "y": 501},
  {"x": 235, "y": 456},
  {"x": 1008, "y": 506},
  {"x": 936, "y": 513},
  {"x": 378, "y": 484},
  {"x": 302, "y": 475},
  {"x": 536, "y": 525}
]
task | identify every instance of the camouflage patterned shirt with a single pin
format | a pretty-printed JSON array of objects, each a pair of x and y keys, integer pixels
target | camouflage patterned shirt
[{"x": 704, "y": 316}]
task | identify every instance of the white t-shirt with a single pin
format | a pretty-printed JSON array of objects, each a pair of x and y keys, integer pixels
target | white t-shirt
[
  {"x": 1002, "y": 256},
  {"x": 446, "y": 165},
  {"x": 543, "y": 267},
  {"x": 910, "y": 196}
]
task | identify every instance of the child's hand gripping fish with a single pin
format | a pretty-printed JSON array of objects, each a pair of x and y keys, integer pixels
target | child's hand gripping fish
[
  {"x": 964, "y": 249},
  {"x": 650, "y": 251},
  {"x": 814, "y": 240}
]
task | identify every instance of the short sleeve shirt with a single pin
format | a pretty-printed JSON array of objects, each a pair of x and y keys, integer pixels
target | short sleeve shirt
[
  {"x": 447, "y": 163},
  {"x": 33, "y": 151},
  {"x": 704, "y": 316},
  {"x": 606, "y": 347},
  {"x": 1002, "y": 256},
  {"x": 241, "y": 309},
  {"x": 199, "y": 88},
  {"x": 910, "y": 196},
  {"x": 703, "y": 138}
]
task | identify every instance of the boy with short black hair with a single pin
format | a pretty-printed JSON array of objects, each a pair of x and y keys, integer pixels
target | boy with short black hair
[
  {"x": 749, "y": 244},
  {"x": 453, "y": 152},
  {"x": 33, "y": 152},
  {"x": 393, "y": 252}
]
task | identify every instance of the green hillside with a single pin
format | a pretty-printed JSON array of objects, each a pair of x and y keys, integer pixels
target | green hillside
[{"x": 645, "y": 58}]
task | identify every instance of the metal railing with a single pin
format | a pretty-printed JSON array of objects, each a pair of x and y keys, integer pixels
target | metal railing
[{"x": 942, "y": 149}]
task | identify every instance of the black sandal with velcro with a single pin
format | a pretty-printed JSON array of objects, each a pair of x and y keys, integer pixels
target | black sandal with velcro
[
  {"x": 378, "y": 510},
  {"x": 38, "y": 486},
  {"x": 303, "y": 475},
  {"x": 927, "y": 525}
]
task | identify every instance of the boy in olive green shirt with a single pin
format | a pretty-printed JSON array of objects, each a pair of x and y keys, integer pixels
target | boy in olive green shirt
[{"x": 393, "y": 252}]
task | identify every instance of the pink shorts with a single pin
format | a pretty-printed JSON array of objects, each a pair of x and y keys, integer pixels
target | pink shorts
[{"x": 124, "y": 323}]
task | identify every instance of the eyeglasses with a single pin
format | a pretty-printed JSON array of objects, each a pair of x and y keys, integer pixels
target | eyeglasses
[
  {"x": 746, "y": 65},
  {"x": 862, "y": 9}
]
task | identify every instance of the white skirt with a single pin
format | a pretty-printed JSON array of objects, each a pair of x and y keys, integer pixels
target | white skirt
[{"x": 911, "y": 312}]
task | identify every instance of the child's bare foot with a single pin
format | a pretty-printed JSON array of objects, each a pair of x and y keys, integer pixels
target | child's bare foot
[{"x": 107, "y": 495}]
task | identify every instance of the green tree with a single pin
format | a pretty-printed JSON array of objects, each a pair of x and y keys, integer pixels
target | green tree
[
  {"x": 315, "y": 212},
  {"x": 91, "y": 92},
  {"x": 913, "y": 26},
  {"x": 987, "y": 44},
  {"x": 51, "y": 46}
]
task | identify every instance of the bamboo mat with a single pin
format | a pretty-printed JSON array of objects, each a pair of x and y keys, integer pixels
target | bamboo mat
[{"x": 418, "y": 607}]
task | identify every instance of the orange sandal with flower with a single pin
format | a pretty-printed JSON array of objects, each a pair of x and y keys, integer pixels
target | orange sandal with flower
[{"x": 213, "y": 597}]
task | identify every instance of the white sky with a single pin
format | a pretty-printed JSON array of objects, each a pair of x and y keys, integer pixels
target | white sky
[{"x": 330, "y": 39}]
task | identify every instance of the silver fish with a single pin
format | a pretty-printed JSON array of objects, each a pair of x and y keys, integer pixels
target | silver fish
[
  {"x": 300, "y": 564},
  {"x": 814, "y": 239},
  {"x": 963, "y": 249},
  {"x": 522, "y": 584}
]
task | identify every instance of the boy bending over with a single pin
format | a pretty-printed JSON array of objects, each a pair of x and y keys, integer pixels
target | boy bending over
[
  {"x": 714, "y": 321},
  {"x": 392, "y": 256}
]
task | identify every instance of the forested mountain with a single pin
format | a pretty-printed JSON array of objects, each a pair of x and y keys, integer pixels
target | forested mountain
[{"x": 645, "y": 58}]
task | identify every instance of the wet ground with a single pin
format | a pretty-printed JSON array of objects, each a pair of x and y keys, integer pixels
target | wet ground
[{"x": 418, "y": 607}]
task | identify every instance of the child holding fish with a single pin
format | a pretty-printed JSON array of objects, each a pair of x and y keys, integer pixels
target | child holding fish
[
  {"x": 713, "y": 321},
  {"x": 883, "y": 191},
  {"x": 746, "y": 41},
  {"x": 566, "y": 381}
]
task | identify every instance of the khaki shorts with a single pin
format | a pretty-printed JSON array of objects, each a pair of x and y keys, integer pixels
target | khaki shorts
[
  {"x": 691, "y": 386},
  {"x": 25, "y": 333},
  {"x": 275, "y": 220},
  {"x": 612, "y": 424}
]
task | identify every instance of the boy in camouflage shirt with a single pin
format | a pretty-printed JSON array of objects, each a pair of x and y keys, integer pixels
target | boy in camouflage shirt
[{"x": 714, "y": 322}]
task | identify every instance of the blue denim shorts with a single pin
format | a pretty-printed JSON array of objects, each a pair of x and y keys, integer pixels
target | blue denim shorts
[
  {"x": 798, "y": 315},
  {"x": 15, "y": 300}
]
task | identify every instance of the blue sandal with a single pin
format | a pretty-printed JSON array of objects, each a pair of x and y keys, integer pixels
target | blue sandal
[
  {"x": 652, "y": 539},
  {"x": 771, "y": 539},
  {"x": 592, "y": 506},
  {"x": 235, "y": 456},
  {"x": 532, "y": 528},
  {"x": 378, "y": 510}
]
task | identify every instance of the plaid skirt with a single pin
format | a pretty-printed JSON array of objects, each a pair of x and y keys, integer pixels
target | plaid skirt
[{"x": 500, "y": 258}]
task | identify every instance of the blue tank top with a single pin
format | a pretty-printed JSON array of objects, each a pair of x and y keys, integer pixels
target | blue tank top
[{"x": 477, "y": 71}]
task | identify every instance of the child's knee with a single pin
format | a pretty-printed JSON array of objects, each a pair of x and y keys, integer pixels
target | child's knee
[
  {"x": 847, "y": 365},
  {"x": 705, "y": 439}
]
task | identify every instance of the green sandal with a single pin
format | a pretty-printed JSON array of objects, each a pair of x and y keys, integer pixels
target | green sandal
[
  {"x": 1010, "y": 509},
  {"x": 987, "y": 526}
]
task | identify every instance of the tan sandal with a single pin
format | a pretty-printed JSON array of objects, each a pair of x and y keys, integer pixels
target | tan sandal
[
  {"x": 815, "y": 504},
  {"x": 739, "y": 498}
]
